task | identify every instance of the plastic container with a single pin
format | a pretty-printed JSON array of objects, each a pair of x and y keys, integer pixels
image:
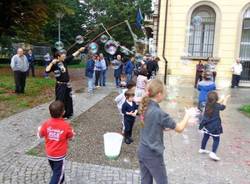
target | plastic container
[{"x": 112, "y": 145}]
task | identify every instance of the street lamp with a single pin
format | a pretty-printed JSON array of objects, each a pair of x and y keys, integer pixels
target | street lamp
[{"x": 59, "y": 15}]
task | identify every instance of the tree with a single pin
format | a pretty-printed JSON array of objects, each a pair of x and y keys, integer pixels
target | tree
[{"x": 111, "y": 12}]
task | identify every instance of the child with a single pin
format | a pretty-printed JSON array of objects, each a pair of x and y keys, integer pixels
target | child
[
  {"x": 89, "y": 73},
  {"x": 141, "y": 85},
  {"x": 205, "y": 86},
  {"x": 155, "y": 122},
  {"x": 56, "y": 132},
  {"x": 211, "y": 123},
  {"x": 129, "y": 110},
  {"x": 123, "y": 82},
  {"x": 120, "y": 99}
]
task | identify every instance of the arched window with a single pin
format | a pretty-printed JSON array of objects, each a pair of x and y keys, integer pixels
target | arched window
[
  {"x": 201, "y": 33},
  {"x": 245, "y": 46}
]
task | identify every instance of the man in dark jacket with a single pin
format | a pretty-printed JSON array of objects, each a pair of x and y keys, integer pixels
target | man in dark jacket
[{"x": 31, "y": 59}]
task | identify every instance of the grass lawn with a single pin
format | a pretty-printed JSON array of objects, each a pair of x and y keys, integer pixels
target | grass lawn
[
  {"x": 245, "y": 109},
  {"x": 38, "y": 90}
]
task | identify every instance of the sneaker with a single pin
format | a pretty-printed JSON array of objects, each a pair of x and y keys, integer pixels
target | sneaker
[
  {"x": 213, "y": 156},
  {"x": 127, "y": 141},
  {"x": 202, "y": 151}
]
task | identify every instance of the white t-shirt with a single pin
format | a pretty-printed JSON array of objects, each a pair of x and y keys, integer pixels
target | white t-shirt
[{"x": 237, "y": 69}]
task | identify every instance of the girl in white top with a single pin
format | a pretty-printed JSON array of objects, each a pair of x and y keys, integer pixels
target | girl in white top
[{"x": 141, "y": 84}]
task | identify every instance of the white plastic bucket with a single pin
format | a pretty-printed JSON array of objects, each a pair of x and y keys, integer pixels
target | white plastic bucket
[{"x": 112, "y": 144}]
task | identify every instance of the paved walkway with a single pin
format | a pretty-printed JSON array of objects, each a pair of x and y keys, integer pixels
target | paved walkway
[
  {"x": 184, "y": 164},
  {"x": 18, "y": 135}
]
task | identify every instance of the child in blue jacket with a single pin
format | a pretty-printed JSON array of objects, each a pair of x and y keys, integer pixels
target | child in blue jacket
[{"x": 204, "y": 87}]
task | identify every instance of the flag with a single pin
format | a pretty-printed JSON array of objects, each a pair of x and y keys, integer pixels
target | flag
[{"x": 139, "y": 18}]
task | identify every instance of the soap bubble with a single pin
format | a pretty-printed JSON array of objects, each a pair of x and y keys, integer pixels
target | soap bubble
[
  {"x": 93, "y": 48},
  {"x": 111, "y": 47},
  {"x": 59, "y": 45},
  {"x": 104, "y": 38},
  {"x": 79, "y": 39}
]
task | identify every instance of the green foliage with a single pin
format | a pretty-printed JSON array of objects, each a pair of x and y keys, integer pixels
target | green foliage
[
  {"x": 245, "y": 109},
  {"x": 111, "y": 12},
  {"x": 35, "y": 21}
]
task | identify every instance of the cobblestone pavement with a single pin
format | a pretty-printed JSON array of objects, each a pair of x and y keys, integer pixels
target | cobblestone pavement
[
  {"x": 18, "y": 135},
  {"x": 184, "y": 164}
]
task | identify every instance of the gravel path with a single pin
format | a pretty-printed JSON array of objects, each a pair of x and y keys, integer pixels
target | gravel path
[{"x": 88, "y": 147}]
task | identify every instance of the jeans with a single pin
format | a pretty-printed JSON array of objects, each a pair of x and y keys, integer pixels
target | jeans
[
  {"x": 129, "y": 77},
  {"x": 58, "y": 171},
  {"x": 90, "y": 84},
  {"x": 215, "y": 143},
  {"x": 103, "y": 78},
  {"x": 117, "y": 81}
]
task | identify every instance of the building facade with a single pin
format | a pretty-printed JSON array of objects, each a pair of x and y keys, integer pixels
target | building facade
[{"x": 192, "y": 30}]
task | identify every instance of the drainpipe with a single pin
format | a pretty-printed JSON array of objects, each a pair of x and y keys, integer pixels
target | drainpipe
[{"x": 164, "y": 44}]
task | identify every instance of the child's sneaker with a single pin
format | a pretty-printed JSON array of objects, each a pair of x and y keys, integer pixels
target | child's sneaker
[
  {"x": 213, "y": 156},
  {"x": 127, "y": 141},
  {"x": 202, "y": 151}
]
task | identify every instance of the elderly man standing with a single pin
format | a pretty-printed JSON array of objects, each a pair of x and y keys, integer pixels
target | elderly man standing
[
  {"x": 20, "y": 65},
  {"x": 236, "y": 69}
]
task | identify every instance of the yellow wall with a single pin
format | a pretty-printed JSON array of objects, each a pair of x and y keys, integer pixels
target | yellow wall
[{"x": 228, "y": 32}]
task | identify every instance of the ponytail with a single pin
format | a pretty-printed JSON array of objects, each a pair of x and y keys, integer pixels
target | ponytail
[{"x": 153, "y": 88}]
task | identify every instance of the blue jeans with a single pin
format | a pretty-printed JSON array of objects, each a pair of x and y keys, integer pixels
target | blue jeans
[
  {"x": 117, "y": 81},
  {"x": 129, "y": 77},
  {"x": 90, "y": 84},
  {"x": 103, "y": 78},
  {"x": 58, "y": 171},
  {"x": 215, "y": 143}
]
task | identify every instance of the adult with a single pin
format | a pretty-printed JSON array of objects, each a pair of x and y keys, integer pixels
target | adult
[
  {"x": 89, "y": 73},
  {"x": 63, "y": 90},
  {"x": 236, "y": 69},
  {"x": 199, "y": 71},
  {"x": 31, "y": 59},
  {"x": 103, "y": 70},
  {"x": 212, "y": 64},
  {"x": 98, "y": 69},
  {"x": 20, "y": 65},
  {"x": 151, "y": 67},
  {"x": 47, "y": 60},
  {"x": 156, "y": 65},
  {"x": 129, "y": 68},
  {"x": 117, "y": 65}
]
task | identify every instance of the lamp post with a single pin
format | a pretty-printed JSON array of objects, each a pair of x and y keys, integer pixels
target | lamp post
[{"x": 59, "y": 15}]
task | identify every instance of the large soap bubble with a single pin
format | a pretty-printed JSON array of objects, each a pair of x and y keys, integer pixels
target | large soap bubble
[
  {"x": 59, "y": 45},
  {"x": 111, "y": 47},
  {"x": 104, "y": 38},
  {"x": 79, "y": 39},
  {"x": 93, "y": 48},
  {"x": 196, "y": 20}
]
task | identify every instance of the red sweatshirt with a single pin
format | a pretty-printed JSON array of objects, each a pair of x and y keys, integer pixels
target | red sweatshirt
[{"x": 56, "y": 132}]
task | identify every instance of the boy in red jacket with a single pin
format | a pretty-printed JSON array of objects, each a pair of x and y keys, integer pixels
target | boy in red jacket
[{"x": 56, "y": 132}]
